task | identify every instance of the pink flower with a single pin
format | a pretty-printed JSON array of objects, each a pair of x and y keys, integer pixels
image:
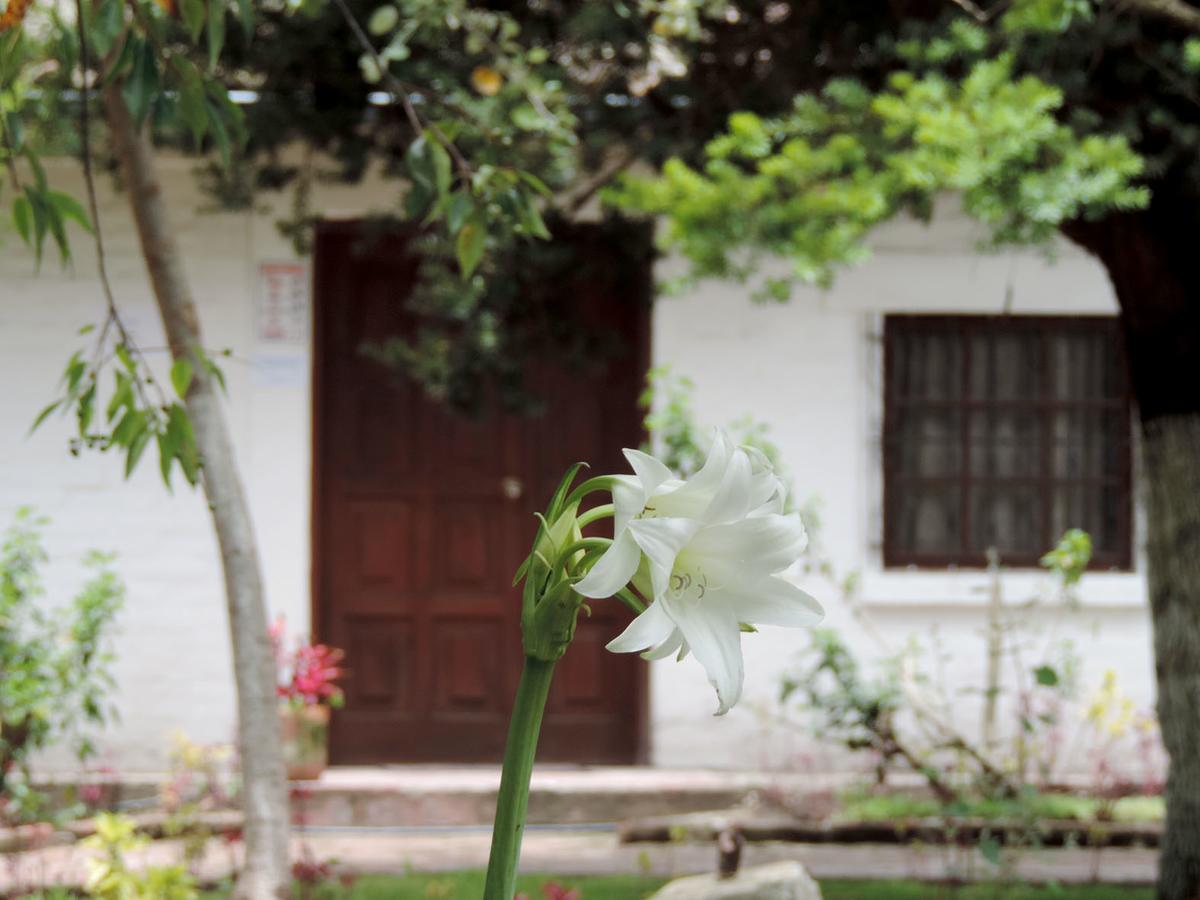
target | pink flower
[{"x": 308, "y": 674}]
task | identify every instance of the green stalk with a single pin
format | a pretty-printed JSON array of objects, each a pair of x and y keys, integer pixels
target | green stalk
[{"x": 511, "y": 804}]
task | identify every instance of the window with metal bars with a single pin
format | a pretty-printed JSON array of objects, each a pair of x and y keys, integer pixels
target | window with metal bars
[{"x": 1003, "y": 432}]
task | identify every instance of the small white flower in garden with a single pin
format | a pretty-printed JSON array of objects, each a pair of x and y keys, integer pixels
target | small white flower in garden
[{"x": 712, "y": 549}]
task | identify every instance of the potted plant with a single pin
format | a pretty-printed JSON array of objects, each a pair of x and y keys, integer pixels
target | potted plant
[{"x": 307, "y": 691}]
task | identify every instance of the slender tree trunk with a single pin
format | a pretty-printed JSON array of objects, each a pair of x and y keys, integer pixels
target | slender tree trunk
[
  {"x": 264, "y": 785},
  {"x": 1152, "y": 263}
]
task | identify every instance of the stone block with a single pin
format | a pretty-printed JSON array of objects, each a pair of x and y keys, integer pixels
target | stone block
[{"x": 776, "y": 881}]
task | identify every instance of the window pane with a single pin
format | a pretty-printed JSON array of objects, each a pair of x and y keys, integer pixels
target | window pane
[
  {"x": 927, "y": 442},
  {"x": 926, "y": 520},
  {"x": 1007, "y": 518},
  {"x": 927, "y": 366},
  {"x": 1085, "y": 366},
  {"x": 1003, "y": 432},
  {"x": 1006, "y": 366},
  {"x": 1097, "y": 509},
  {"x": 1006, "y": 442},
  {"x": 1087, "y": 444}
]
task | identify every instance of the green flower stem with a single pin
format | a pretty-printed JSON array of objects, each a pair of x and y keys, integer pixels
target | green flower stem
[
  {"x": 595, "y": 514},
  {"x": 571, "y": 549},
  {"x": 599, "y": 483},
  {"x": 523, "y": 731}
]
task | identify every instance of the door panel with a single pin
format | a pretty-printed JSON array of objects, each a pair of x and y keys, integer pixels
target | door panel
[{"x": 422, "y": 515}]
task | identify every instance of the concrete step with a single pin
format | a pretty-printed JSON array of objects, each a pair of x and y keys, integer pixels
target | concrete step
[{"x": 411, "y": 796}]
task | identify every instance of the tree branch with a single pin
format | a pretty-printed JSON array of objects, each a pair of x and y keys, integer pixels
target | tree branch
[
  {"x": 1178, "y": 12},
  {"x": 578, "y": 198},
  {"x": 403, "y": 92},
  {"x": 113, "y": 314}
]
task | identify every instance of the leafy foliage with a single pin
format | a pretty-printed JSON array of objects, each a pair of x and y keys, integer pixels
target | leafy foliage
[
  {"x": 109, "y": 874},
  {"x": 56, "y": 664},
  {"x": 810, "y": 185},
  {"x": 136, "y": 411}
]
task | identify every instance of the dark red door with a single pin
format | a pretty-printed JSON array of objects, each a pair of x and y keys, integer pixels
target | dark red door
[{"x": 422, "y": 515}]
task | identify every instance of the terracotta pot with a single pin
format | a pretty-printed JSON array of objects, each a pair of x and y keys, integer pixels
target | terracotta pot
[{"x": 305, "y": 740}]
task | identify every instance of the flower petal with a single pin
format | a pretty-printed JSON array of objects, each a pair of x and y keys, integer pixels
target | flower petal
[
  {"x": 689, "y": 499},
  {"x": 671, "y": 645},
  {"x": 661, "y": 540},
  {"x": 613, "y": 569},
  {"x": 732, "y": 499},
  {"x": 628, "y": 501},
  {"x": 736, "y": 552},
  {"x": 652, "y": 627},
  {"x": 650, "y": 471},
  {"x": 714, "y": 636},
  {"x": 773, "y": 601}
]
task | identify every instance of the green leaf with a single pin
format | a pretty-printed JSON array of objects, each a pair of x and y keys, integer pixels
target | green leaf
[
  {"x": 122, "y": 396},
  {"x": 989, "y": 847},
  {"x": 138, "y": 442},
  {"x": 194, "y": 14},
  {"x": 16, "y": 131},
  {"x": 73, "y": 374},
  {"x": 442, "y": 169},
  {"x": 166, "y": 456},
  {"x": 531, "y": 218},
  {"x": 470, "y": 244},
  {"x": 69, "y": 209},
  {"x": 193, "y": 107},
  {"x": 1046, "y": 676},
  {"x": 458, "y": 210},
  {"x": 182, "y": 441},
  {"x": 106, "y": 26},
  {"x": 22, "y": 214},
  {"x": 383, "y": 20},
  {"x": 246, "y": 15},
  {"x": 86, "y": 408},
  {"x": 43, "y": 415},
  {"x": 181, "y": 376},
  {"x": 419, "y": 160},
  {"x": 126, "y": 359},
  {"x": 219, "y": 132},
  {"x": 142, "y": 83},
  {"x": 216, "y": 32},
  {"x": 132, "y": 424}
]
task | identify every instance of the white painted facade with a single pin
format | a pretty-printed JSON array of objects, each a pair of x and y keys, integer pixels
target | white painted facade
[{"x": 811, "y": 369}]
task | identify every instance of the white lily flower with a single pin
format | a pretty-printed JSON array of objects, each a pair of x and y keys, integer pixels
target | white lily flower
[{"x": 713, "y": 548}]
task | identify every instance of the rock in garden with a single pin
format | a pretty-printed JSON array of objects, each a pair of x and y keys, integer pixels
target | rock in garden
[{"x": 776, "y": 881}]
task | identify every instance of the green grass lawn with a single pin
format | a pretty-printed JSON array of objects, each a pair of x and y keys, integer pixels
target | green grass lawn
[{"x": 469, "y": 885}]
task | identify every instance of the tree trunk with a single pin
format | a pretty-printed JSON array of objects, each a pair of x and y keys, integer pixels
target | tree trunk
[
  {"x": 264, "y": 785},
  {"x": 1171, "y": 450},
  {"x": 1151, "y": 261}
]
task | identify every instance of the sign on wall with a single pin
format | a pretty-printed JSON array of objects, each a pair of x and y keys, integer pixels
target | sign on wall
[
  {"x": 282, "y": 302},
  {"x": 281, "y": 314}
]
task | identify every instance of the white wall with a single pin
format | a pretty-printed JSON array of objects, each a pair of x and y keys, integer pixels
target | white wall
[
  {"x": 811, "y": 369},
  {"x": 173, "y": 661}
]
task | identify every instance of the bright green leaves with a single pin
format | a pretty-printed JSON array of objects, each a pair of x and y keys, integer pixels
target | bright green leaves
[
  {"x": 133, "y": 414},
  {"x": 476, "y": 206},
  {"x": 810, "y": 186},
  {"x": 39, "y": 212},
  {"x": 1051, "y": 16},
  {"x": 1070, "y": 557},
  {"x": 57, "y": 664}
]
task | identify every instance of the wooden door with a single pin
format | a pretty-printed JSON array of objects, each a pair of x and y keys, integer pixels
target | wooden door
[{"x": 420, "y": 517}]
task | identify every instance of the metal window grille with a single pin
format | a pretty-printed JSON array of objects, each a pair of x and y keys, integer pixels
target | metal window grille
[{"x": 1004, "y": 432}]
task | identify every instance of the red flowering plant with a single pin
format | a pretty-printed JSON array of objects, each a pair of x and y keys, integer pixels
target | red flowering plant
[{"x": 306, "y": 674}]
